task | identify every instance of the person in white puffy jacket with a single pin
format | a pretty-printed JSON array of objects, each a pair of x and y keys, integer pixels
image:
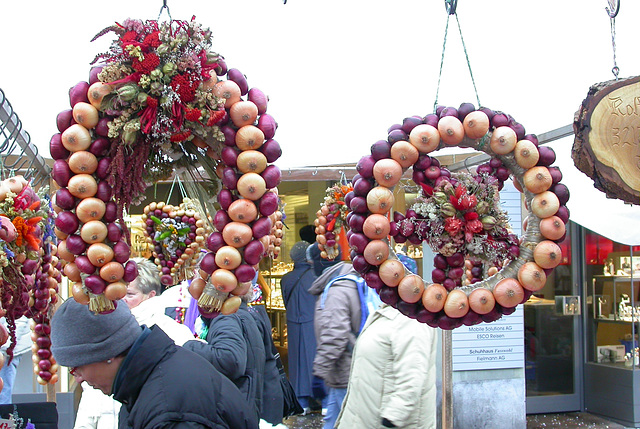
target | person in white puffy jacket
[
  {"x": 97, "y": 410},
  {"x": 393, "y": 375}
]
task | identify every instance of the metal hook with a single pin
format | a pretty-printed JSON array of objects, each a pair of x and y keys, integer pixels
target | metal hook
[
  {"x": 451, "y": 5},
  {"x": 315, "y": 172},
  {"x": 613, "y": 9},
  {"x": 164, "y": 6}
]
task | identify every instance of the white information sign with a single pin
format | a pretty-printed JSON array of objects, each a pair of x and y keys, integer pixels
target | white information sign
[{"x": 494, "y": 345}]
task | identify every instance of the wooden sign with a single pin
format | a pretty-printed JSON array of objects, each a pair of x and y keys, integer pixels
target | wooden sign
[{"x": 607, "y": 138}]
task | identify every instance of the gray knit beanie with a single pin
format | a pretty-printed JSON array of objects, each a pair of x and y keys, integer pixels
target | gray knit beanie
[
  {"x": 80, "y": 337},
  {"x": 298, "y": 252}
]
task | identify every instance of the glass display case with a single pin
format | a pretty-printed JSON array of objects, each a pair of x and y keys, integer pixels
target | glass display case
[{"x": 614, "y": 317}]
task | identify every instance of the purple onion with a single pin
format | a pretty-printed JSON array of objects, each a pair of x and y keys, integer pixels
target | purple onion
[
  {"x": 67, "y": 222},
  {"x": 110, "y": 212},
  {"x": 500, "y": 119},
  {"x": 271, "y": 150},
  {"x": 215, "y": 241},
  {"x": 260, "y": 228},
  {"x": 104, "y": 192},
  {"x": 359, "y": 205},
  {"x": 63, "y": 120},
  {"x": 121, "y": 251},
  {"x": 253, "y": 252},
  {"x": 229, "y": 178},
  {"x": 431, "y": 119},
  {"x": 245, "y": 273},
  {"x": 102, "y": 172},
  {"x": 358, "y": 242},
  {"x": 75, "y": 244},
  {"x": 57, "y": 149},
  {"x": 61, "y": 172},
  {"x": 229, "y": 135},
  {"x": 267, "y": 125},
  {"x": 396, "y": 136},
  {"x": 268, "y": 204},
  {"x": 240, "y": 79},
  {"x": 272, "y": 176},
  {"x": 208, "y": 263},
  {"x": 95, "y": 284},
  {"x": 64, "y": 199},
  {"x": 464, "y": 110},
  {"x": 130, "y": 271},
  {"x": 220, "y": 219},
  {"x": 362, "y": 187},
  {"x": 448, "y": 111},
  {"x": 381, "y": 150},
  {"x": 410, "y": 123},
  {"x": 547, "y": 156},
  {"x": 365, "y": 166}
]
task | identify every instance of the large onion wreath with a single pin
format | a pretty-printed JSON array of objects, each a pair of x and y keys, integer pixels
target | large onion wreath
[{"x": 482, "y": 269}]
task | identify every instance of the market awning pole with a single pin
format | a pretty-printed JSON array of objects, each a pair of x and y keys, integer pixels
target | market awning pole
[{"x": 447, "y": 386}]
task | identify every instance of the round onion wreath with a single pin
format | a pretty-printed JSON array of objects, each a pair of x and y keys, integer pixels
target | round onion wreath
[{"x": 456, "y": 206}]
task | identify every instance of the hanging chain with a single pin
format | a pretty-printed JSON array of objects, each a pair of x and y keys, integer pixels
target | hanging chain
[
  {"x": 451, "y": 10},
  {"x": 615, "y": 70},
  {"x": 164, "y": 6}
]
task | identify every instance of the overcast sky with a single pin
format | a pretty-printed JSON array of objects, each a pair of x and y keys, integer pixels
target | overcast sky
[{"x": 340, "y": 72}]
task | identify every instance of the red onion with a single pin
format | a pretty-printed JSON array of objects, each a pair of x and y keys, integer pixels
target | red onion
[
  {"x": 253, "y": 252},
  {"x": 358, "y": 242},
  {"x": 111, "y": 212},
  {"x": 63, "y": 120},
  {"x": 114, "y": 232},
  {"x": 130, "y": 271},
  {"x": 225, "y": 198},
  {"x": 380, "y": 150},
  {"x": 394, "y": 127},
  {"x": 389, "y": 295},
  {"x": 563, "y": 213},
  {"x": 258, "y": 98},
  {"x": 215, "y": 241},
  {"x": 261, "y": 227},
  {"x": 75, "y": 244},
  {"x": 547, "y": 156},
  {"x": 239, "y": 78},
  {"x": 408, "y": 309},
  {"x": 104, "y": 192},
  {"x": 102, "y": 128},
  {"x": 61, "y": 172},
  {"x": 348, "y": 198},
  {"x": 361, "y": 265},
  {"x": 438, "y": 275},
  {"x": 423, "y": 162},
  {"x": 432, "y": 172},
  {"x": 121, "y": 251},
  {"x": 465, "y": 109},
  {"x": 431, "y": 119},
  {"x": 221, "y": 67},
  {"x": 439, "y": 109},
  {"x": 365, "y": 166},
  {"x": 271, "y": 176},
  {"x": 29, "y": 266},
  {"x": 356, "y": 222},
  {"x": 271, "y": 150},
  {"x": 102, "y": 172},
  {"x": 519, "y": 129},
  {"x": 78, "y": 93},
  {"x": 100, "y": 146},
  {"x": 410, "y": 123},
  {"x": 500, "y": 119},
  {"x": 556, "y": 174},
  {"x": 64, "y": 199},
  {"x": 394, "y": 229},
  {"x": 362, "y": 187},
  {"x": 95, "y": 284},
  {"x": 562, "y": 192},
  {"x": 229, "y": 156},
  {"x": 359, "y": 205},
  {"x": 267, "y": 125},
  {"x": 220, "y": 219},
  {"x": 208, "y": 263},
  {"x": 532, "y": 138},
  {"x": 93, "y": 74},
  {"x": 373, "y": 280},
  {"x": 268, "y": 204},
  {"x": 425, "y": 316},
  {"x": 471, "y": 318},
  {"x": 84, "y": 265},
  {"x": 396, "y": 136},
  {"x": 448, "y": 111},
  {"x": 229, "y": 135},
  {"x": 67, "y": 222},
  {"x": 245, "y": 273},
  {"x": 57, "y": 149},
  {"x": 229, "y": 178}
]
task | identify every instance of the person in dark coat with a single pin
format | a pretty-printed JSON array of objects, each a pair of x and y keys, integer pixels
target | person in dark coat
[
  {"x": 235, "y": 348},
  {"x": 137, "y": 364},
  {"x": 300, "y": 305},
  {"x": 272, "y": 396}
]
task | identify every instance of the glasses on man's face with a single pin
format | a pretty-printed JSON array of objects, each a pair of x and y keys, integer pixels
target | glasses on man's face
[{"x": 73, "y": 370}]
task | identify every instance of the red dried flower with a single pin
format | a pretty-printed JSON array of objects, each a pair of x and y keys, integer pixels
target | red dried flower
[
  {"x": 474, "y": 226},
  {"x": 184, "y": 87},
  {"x": 215, "y": 116},
  {"x": 152, "y": 102},
  {"x": 180, "y": 137},
  {"x": 150, "y": 62},
  {"x": 192, "y": 115},
  {"x": 453, "y": 225},
  {"x": 129, "y": 36},
  {"x": 152, "y": 40}
]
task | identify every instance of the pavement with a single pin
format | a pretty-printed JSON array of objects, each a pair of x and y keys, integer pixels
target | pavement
[{"x": 534, "y": 421}]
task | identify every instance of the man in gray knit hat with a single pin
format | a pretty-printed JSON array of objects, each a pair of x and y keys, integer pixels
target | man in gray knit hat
[{"x": 158, "y": 383}]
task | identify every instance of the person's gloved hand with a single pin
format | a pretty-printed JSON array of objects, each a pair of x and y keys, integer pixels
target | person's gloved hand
[
  {"x": 386, "y": 423},
  {"x": 317, "y": 388}
]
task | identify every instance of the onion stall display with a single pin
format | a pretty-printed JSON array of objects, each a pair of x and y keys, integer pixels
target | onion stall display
[
  {"x": 157, "y": 104},
  {"x": 482, "y": 269},
  {"x": 331, "y": 221}
]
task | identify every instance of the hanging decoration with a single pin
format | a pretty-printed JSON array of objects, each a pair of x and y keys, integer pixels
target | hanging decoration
[
  {"x": 156, "y": 105},
  {"x": 330, "y": 222},
  {"x": 483, "y": 270},
  {"x": 176, "y": 234}
]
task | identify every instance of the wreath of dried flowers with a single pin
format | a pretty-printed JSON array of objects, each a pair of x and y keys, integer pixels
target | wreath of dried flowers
[{"x": 331, "y": 219}]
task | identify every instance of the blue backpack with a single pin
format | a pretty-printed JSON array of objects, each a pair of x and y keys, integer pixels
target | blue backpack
[{"x": 369, "y": 299}]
